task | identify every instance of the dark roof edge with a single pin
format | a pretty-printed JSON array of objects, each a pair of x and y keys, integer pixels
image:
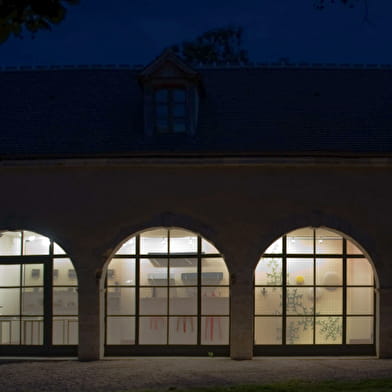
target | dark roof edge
[
  {"x": 140, "y": 67},
  {"x": 200, "y": 155},
  {"x": 359, "y": 160}
]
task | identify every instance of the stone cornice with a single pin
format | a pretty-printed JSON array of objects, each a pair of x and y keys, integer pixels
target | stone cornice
[{"x": 304, "y": 162}]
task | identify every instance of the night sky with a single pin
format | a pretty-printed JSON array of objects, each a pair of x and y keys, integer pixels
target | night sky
[{"x": 135, "y": 32}]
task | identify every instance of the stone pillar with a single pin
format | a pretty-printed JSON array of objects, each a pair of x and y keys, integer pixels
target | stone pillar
[
  {"x": 384, "y": 323},
  {"x": 90, "y": 320},
  {"x": 241, "y": 313}
]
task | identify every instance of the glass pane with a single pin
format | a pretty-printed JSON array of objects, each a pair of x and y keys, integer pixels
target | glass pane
[
  {"x": 300, "y": 241},
  {"x": 9, "y": 330},
  {"x": 57, "y": 250},
  {"x": 214, "y": 272},
  {"x": 299, "y": 330},
  {"x": 128, "y": 248},
  {"x": 299, "y": 300},
  {"x": 182, "y": 241},
  {"x": 162, "y": 125},
  {"x": 120, "y": 330},
  {"x": 207, "y": 247},
  {"x": 33, "y": 301},
  {"x": 183, "y": 330},
  {"x": 33, "y": 274},
  {"x": 162, "y": 111},
  {"x": 269, "y": 272},
  {"x": 215, "y": 300},
  {"x": 121, "y": 272},
  {"x": 329, "y": 330},
  {"x": 64, "y": 273},
  {"x": 179, "y": 110},
  {"x": 359, "y": 272},
  {"x": 10, "y": 243},
  {"x": 360, "y": 330},
  {"x": 275, "y": 247},
  {"x": 360, "y": 300},
  {"x": 353, "y": 249},
  {"x": 183, "y": 300},
  {"x": 153, "y": 272},
  {"x": 268, "y": 300},
  {"x": 65, "y": 330},
  {"x": 329, "y": 300},
  {"x": 161, "y": 95},
  {"x": 154, "y": 241},
  {"x": 179, "y": 125},
  {"x": 329, "y": 272},
  {"x": 179, "y": 95},
  {"x": 9, "y": 301},
  {"x": 183, "y": 271},
  {"x": 65, "y": 300},
  {"x": 35, "y": 244},
  {"x": 215, "y": 330},
  {"x": 300, "y": 272},
  {"x": 32, "y": 331},
  {"x": 152, "y": 330},
  {"x": 120, "y": 300},
  {"x": 10, "y": 275},
  {"x": 153, "y": 300},
  {"x": 328, "y": 242},
  {"x": 268, "y": 330}
]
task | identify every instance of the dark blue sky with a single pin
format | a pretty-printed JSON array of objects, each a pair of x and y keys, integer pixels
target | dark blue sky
[{"x": 134, "y": 32}]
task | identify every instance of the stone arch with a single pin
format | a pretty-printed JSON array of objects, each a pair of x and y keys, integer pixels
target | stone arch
[
  {"x": 165, "y": 219},
  {"x": 23, "y": 224},
  {"x": 360, "y": 235}
]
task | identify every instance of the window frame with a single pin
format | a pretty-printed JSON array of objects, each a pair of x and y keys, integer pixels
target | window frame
[
  {"x": 170, "y": 104},
  {"x": 136, "y": 348},
  {"x": 284, "y": 347},
  {"x": 47, "y": 260}
]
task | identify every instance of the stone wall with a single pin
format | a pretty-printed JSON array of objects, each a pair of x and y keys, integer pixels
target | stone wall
[{"x": 89, "y": 208}]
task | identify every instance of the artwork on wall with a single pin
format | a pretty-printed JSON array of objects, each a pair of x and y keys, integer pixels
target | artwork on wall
[
  {"x": 301, "y": 317},
  {"x": 275, "y": 276},
  {"x": 330, "y": 328}
]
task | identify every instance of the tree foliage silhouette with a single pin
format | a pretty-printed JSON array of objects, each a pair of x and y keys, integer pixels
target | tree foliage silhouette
[
  {"x": 218, "y": 46},
  {"x": 32, "y": 15}
]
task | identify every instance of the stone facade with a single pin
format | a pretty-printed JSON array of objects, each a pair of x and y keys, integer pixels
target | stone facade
[{"x": 89, "y": 207}]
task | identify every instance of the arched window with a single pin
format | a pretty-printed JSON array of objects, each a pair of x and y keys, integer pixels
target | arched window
[
  {"x": 167, "y": 288},
  {"x": 314, "y": 287},
  {"x": 38, "y": 296}
]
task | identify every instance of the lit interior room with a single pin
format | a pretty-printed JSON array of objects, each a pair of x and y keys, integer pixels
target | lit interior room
[
  {"x": 312, "y": 286},
  {"x": 29, "y": 308},
  {"x": 167, "y": 287}
]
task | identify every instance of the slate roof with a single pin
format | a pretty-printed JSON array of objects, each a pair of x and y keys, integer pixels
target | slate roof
[{"x": 246, "y": 111}]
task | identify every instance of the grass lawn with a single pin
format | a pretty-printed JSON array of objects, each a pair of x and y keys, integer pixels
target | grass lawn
[{"x": 300, "y": 386}]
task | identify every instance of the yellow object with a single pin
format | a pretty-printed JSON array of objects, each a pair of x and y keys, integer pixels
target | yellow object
[{"x": 300, "y": 279}]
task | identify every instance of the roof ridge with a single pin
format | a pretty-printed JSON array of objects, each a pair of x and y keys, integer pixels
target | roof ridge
[
  {"x": 302, "y": 64},
  {"x": 131, "y": 67},
  {"x": 253, "y": 65}
]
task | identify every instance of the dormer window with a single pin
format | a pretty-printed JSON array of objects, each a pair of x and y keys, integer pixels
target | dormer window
[
  {"x": 170, "y": 110},
  {"x": 171, "y": 93}
]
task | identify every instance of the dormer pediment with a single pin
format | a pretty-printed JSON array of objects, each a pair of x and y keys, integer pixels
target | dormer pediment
[
  {"x": 169, "y": 70},
  {"x": 168, "y": 66}
]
